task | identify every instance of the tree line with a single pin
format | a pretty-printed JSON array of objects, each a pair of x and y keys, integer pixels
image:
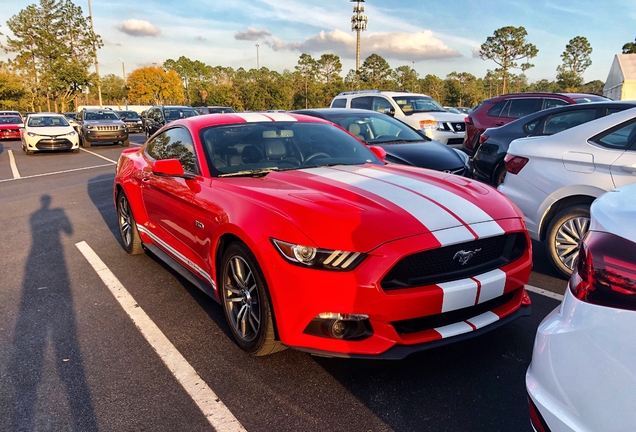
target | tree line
[{"x": 54, "y": 48}]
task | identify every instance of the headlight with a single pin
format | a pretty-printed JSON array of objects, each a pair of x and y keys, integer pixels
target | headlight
[
  {"x": 309, "y": 256},
  {"x": 69, "y": 134},
  {"x": 90, "y": 127},
  {"x": 138, "y": 121},
  {"x": 31, "y": 134},
  {"x": 431, "y": 124}
]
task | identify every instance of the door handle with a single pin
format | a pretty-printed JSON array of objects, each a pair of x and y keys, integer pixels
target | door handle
[{"x": 629, "y": 168}]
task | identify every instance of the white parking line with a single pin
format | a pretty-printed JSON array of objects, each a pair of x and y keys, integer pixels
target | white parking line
[
  {"x": 14, "y": 167},
  {"x": 543, "y": 292},
  {"x": 58, "y": 172},
  {"x": 99, "y": 156},
  {"x": 215, "y": 411}
]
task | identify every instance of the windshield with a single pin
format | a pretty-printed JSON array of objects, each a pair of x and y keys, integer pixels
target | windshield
[
  {"x": 128, "y": 115},
  {"x": 179, "y": 113},
  {"x": 249, "y": 147},
  {"x": 70, "y": 115},
  {"x": 376, "y": 129},
  {"x": 10, "y": 120},
  {"x": 47, "y": 121},
  {"x": 100, "y": 115},
  {"x": 410, "y": 104}
]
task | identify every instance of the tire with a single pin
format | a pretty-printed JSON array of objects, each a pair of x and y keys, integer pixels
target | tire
[
  {"x": 499, "y": 176},
  {"x": 127, "y": 227},
  {"x": 246, "y": 303},
  {"x": 126, "y": 142},
  {"x": 86, "y": 143},
  {"x": 77, "y": 150},
  {"x": 565, "y": 233},
  {"x": 29, "y": 152}
]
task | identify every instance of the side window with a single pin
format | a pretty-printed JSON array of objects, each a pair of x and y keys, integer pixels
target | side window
[
  {"x": 521, "y": 107},
  {"x": 339, "y": 103},
  {"x": 567, "y": 120},
  {"x": 174, "y": 143},
  {"x": 381, "y": 104},
  {"x": 615, "y": 110},
  {"x": 495, "y": 110},
  {"x": 620, "y": 137},
  {"x": 533, "y": 127},
  {"x": 364, "y": 102},
  {"x": 551, "y": 103}
]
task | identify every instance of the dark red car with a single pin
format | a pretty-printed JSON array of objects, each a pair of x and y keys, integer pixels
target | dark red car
[
  {"x": 10, "y": 127},
  {"x": 501, "y": 110}
]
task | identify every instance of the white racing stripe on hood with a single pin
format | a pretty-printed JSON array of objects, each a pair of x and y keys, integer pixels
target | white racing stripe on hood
[
  {"x": 280, "y": 117},
  {"x": 466, "y": 211},
  {"x": 429, "y": 214},
  {"x": 253, "y": 117}
]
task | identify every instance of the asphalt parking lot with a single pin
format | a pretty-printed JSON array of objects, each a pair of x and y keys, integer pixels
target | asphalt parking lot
[{"x": 72, "y": 358}]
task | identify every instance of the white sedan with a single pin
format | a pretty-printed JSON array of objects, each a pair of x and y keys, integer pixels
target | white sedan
[
  {"x": 581, "y": 377},
  {"x": 554, "y": 179},
  {"x": 48, "y": 131}
]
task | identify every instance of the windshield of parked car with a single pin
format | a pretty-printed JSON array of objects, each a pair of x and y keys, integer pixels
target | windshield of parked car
[
  {"x": 10, "y": 120},
  {"x": 47, "y": 121},
  {"x": 100, "y": 115},
  {"x": 70, "y": 115},
  {"x": 250, "y": 148},
  {"x": 128, "y": 115},
  {"x": 179, "y": 113},
  {"x": 410, "y": 104},
  {"x": 376, "y": 129}
]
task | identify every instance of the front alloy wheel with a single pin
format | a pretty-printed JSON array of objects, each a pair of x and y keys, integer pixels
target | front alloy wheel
[{"x": 246, "y": 303}]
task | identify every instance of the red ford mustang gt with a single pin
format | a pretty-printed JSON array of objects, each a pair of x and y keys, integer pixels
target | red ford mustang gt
[{"x": 308, "y": 240}]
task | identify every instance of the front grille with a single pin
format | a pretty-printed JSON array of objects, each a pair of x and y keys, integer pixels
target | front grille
[
  {"x": 8, "y": 131},
  {"x": 454, "y": 127},
  {"x": 53, "y": 144},
  {"x": 107, "y": 128},
  {"x": 443, "y": 319},
  {"x": 443, "y": 264}
]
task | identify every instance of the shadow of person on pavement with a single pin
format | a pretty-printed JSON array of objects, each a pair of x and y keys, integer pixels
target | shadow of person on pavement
[{"x": 45, "y": 332}]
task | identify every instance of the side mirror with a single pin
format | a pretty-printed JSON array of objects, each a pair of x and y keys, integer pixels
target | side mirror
[
  {"x": 170, "y": 168},
  {"x": 378, "y": 151}
]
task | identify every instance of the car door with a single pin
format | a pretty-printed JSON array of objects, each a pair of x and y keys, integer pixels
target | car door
[
  {"x": 624, "y": 167},
  {"x": 169, "y": 201}
]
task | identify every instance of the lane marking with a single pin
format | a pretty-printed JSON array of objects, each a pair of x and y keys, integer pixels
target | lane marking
[
  {"x": 58, "y": 172},
  {"x": 14, "y": 167},
  {"x": 98, "y": 155},
  {"x": 214, "y": 410},
  {"x": 544, "y": 292}
]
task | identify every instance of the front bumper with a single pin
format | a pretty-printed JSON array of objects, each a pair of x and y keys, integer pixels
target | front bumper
[
  {"x": 452, "y": 139},
  {"x": 300, "y": 294},
  {"x": 580, "y": 377},
  {"x": 9, "y": 134},
  {"x": 105, "y": 136},
  {"x": 134, "y": 127},
  {"x": 50, "y": 143}
]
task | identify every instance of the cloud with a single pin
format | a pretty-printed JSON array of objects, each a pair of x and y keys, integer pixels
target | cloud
[
  {"x": 397, "y": 45},
  {"x": 252, "y": 34},
  {"x": 135, "y": 27},
  {"x": 201, "y": 39}
]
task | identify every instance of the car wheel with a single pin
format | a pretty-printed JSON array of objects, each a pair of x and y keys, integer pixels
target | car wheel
[
  {"x": 565, "y": 233},
  {"x": 76, "y": 150},
  {"x": 86, "y": 143},
  {"x": 127, "y": 227},
  {"x": 28, "y": 152},
  {"x": 246, "y": 303},
  {"x": 500, "y": 175},
  {"x": 126, "y": 142}
]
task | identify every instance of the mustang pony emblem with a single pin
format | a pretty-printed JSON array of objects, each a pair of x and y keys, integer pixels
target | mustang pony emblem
[{"x": 465, "y": 256}]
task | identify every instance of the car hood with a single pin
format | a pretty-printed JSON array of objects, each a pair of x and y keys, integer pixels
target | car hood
[
  {"x": 424, "y": 154},
  {"x": 9, "y": 126},
  {"x": 51, "y": 131},
  {"x": 103, "y": 122},
  {"x": 364, "y": 206}
]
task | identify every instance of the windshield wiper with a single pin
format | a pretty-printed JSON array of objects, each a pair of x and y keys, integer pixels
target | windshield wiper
[{"x": 254, "y": 173}]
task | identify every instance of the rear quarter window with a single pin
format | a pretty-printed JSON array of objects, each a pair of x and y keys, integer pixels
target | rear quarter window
[{"x": 339, "y": 103}]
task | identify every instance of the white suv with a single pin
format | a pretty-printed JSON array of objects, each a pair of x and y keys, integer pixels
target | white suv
[
  {"x": 554, "y": 179},
  {"x": 416, "y": 110}
]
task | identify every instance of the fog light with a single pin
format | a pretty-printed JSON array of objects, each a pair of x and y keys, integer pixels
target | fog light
[
  {"x": 338, "y": 329},
  {"x": 340, "y": 326}
]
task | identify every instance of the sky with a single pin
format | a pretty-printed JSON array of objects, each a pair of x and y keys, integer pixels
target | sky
[{"x": 433, "y": 37}]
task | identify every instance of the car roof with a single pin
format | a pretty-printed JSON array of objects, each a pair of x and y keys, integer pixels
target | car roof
[
  {"x": 336, "y": 111},
  {"x": 540, "y": 94},
  {"x": 46, "y": 115},
  {"x": 197, "y": 122}
]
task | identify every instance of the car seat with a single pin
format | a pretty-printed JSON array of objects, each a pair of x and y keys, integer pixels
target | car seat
[
  {"x": 251, "y": 154},
  {"x": 354, "y": 129}
]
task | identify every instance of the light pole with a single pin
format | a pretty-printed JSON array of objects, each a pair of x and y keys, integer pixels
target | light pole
[
  {"x": 358, "y": 25},
  {"x": 99, "y": 84},
  {"x": 123, "y": 72},
  {"x": 257, "y": 62}
]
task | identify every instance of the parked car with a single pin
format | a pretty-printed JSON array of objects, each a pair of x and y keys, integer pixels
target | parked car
[
  {"x": 132, "y": 121},
  {"x": 101, "y": 125},
  {"x": 10, "y": 127},
  {"x": 554, "y": 179},
  {"x": 501, "y": 110},
  {"x": 71, "y": 118},
  {"x": 308, "y": 240},
  {"x": 11, "y": 113},
  {"x": 159, "y": 116},
  {"x": 581, "y": 375},
  {"x": 416, "y": 110},
  {"x": 214, "y": 110},
  {"x": 489, "y": 157},
  {"x": 48, "y": 131},
  {"x": 402, "y": 143}
]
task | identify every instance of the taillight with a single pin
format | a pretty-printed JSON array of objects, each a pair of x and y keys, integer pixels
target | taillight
[
  {"x": 468, "y": 120},
  {"x": 515, "y": 163},
  {"x": 605, "y": 273},
  {"x": 483, "y": 137},
  {"x": 536, "y": 418}
]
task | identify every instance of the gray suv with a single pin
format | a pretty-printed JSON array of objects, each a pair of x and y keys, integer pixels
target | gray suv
[{"x": 101, "y": 125}]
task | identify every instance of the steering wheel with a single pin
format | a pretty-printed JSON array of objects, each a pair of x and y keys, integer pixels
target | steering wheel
[{"x": 314, "y": 156}]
